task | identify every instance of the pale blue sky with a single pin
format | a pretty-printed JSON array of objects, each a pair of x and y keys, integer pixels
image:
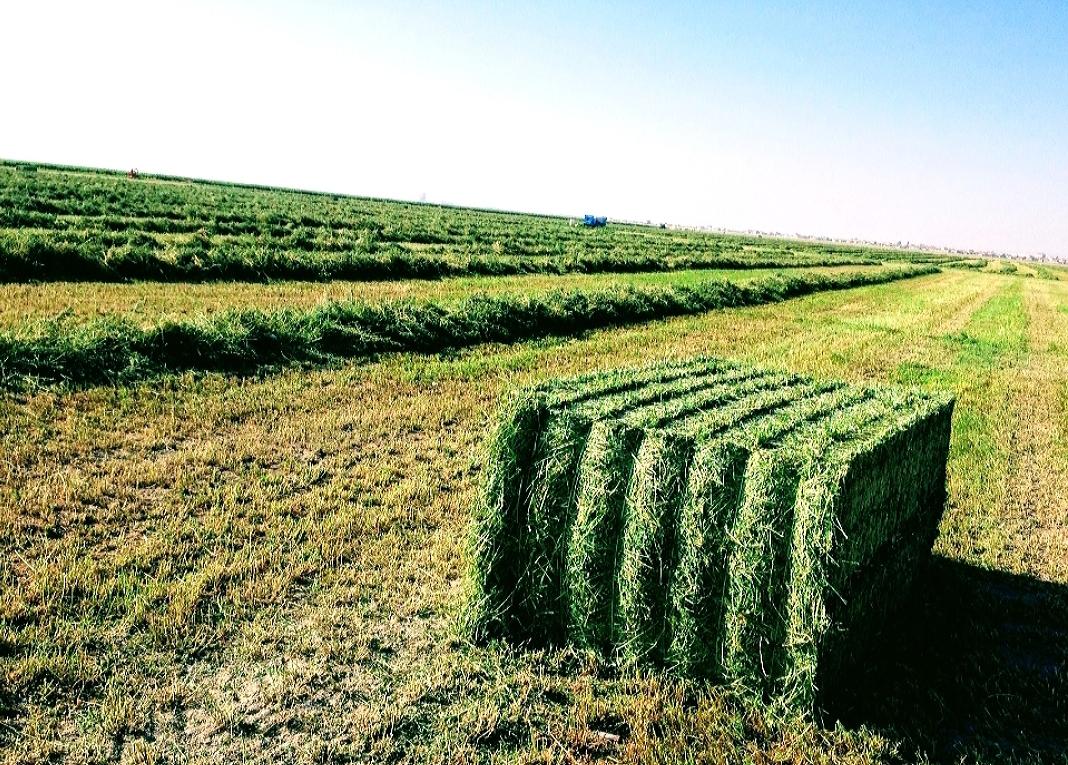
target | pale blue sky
[{"x": 943, "y": 124}]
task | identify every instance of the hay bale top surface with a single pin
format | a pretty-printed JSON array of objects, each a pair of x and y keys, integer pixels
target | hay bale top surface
[{"x": 706, "y": 398}]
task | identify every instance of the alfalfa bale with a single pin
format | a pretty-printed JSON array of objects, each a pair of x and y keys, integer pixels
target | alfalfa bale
[
  {"x": 725, "y": 521},
  {"x": 541, "y": 602},
  {"x": 862, "y": 467},
  {"x": 598, "y": 385},
  {"x": 604, "y": 475},
  {"x": 755, "y": 619},
  {"x": 714, "y": 493},
  {"x": 661, "y": 393},
  {"x": 699, "y": 589}
]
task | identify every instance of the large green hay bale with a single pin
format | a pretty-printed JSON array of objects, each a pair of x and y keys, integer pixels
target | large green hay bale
[
  {"x": 541, "y": 602},
  {"x": 660, "y": 393},
  {"x": 600, "y": 384},
  {"x": 861, "y": 474},
  {"x": 707, "y": 522},
  {"x": 730, "y": 523},
  {"x": 750, "y": 409},
  {"x": 729, "y": 396},
  {"x": 878, "y": 488}
]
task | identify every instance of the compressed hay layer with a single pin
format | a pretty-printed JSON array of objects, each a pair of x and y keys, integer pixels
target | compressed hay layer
[{"x": 727, "y": 522}]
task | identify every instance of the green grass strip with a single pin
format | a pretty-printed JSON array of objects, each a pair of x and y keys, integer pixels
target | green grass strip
[
  {"x": 96, "y": 256},
  {"x": 116, "y": 351}
]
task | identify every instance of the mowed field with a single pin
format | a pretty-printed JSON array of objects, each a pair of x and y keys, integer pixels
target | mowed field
[{"x": 203, "y": 568}]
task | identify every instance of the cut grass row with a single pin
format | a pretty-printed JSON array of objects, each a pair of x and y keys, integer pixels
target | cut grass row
[
  {"x": 45, "y": 256},
  {"x": 148, "y": 303},
  {"x": 113, "y": 350},
  {"x": 266, "y": 570}
]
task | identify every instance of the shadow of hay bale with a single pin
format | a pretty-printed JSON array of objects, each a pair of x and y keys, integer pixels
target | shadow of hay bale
[{"x": 974, "y": 667}]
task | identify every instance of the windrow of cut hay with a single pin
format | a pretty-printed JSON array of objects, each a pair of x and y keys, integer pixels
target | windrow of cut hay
[
  {"x": 113, "y": 350},
  {"x": 725, "y": 522},
  {"x": 131, "y": 255}
]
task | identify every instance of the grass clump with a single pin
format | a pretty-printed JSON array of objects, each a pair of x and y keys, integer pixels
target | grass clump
[{"x": 730, "y": 523}]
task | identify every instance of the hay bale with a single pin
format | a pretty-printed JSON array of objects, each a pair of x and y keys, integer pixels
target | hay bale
[
  {"x": 541, "y": 603},
  {"x": 755, "y": 618},
  {"x": 867, "y": 515},
  {"x": 730, "y": 523},
  {"x": 658, "y": 394},
  {"x": 598, "y": 385}
]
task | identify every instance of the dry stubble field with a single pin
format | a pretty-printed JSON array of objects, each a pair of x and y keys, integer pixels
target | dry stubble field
[{"x": 207, "y": 569}]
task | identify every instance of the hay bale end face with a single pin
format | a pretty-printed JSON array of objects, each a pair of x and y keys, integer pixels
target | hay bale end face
[{"x": 725, "y": 522}]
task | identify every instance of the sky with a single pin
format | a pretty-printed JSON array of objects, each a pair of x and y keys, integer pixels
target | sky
[{"x": 943, "y": 124}]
